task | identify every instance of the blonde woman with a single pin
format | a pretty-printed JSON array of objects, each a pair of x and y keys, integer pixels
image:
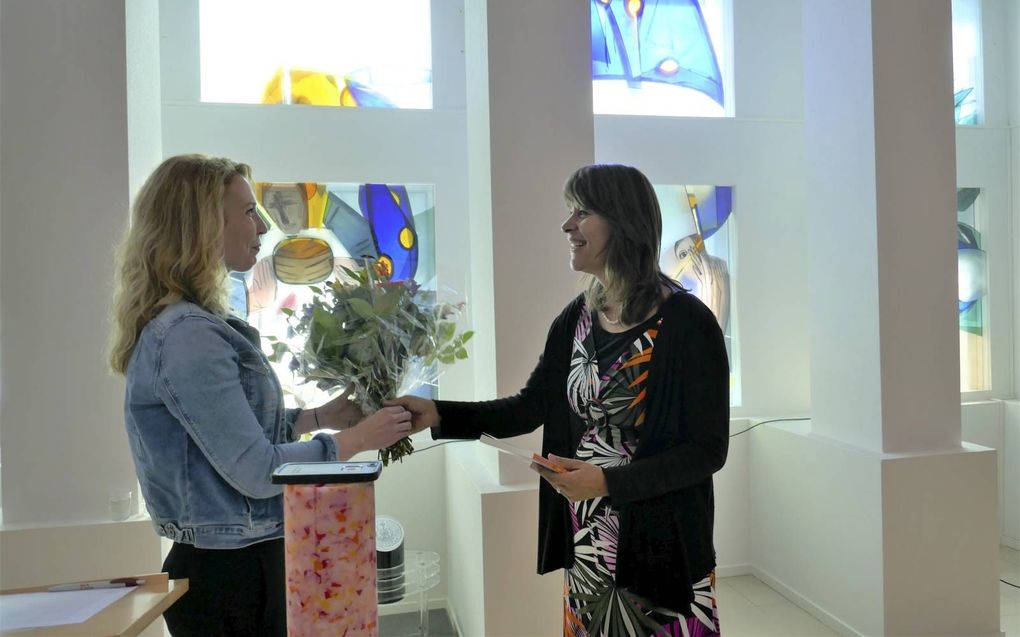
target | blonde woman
[{"x": 204, "y": 411}]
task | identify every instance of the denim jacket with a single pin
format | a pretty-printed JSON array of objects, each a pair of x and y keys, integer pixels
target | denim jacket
[{"x": 207, "y": 427}]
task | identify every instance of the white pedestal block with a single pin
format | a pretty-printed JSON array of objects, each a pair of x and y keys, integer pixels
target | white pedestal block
[{"x": 877, "y": 544}]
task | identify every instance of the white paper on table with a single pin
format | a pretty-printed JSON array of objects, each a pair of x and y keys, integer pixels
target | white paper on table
[{"x": 36, "y": 610}]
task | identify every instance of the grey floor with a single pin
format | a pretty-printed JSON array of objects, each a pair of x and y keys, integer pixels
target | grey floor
[
  {"x": 749, "y": 608},
  {"x": 406, "y": 624}
]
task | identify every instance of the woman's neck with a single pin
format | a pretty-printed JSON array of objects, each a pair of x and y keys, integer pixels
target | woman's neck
[{"x": 611, "y": 316}]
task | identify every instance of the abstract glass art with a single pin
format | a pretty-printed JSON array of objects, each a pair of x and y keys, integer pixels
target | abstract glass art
[
  {"x": 316, "y": 229},
  {"x": 967, "y": 57},
  {"x": 972, "y": 273},
  {"x": 698, "y": 251},
  {"x": 317, "y": 52},
  {"x": 658, "y": 57}
]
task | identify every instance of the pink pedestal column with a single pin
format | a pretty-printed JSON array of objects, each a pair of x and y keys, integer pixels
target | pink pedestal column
[{"x": 329, "y": 534}]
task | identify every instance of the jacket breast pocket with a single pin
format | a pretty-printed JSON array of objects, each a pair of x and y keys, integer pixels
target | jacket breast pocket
[
  {"x": 252, "y": 362},
  {"x": 259, "y": 386}
]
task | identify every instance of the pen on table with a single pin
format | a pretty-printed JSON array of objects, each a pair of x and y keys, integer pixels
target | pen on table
[{"x": 120, "y": 582}]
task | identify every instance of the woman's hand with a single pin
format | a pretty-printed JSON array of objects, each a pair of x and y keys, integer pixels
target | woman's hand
[
  {"x": 423, "y": 411},
  {"x": 381, "y": 429},
  {"x": 339, "y": 413},
  {"x": 582, "y": 480}
]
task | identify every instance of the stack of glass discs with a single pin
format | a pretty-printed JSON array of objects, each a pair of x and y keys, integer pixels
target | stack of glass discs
[{"x": 389, "y": 547}]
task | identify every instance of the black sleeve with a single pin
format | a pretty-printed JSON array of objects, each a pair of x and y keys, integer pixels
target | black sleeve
[
  {"x": 525, "y": 411},
  {"x": 519, "y": 414},
  {"x": 699, "y": 383}
]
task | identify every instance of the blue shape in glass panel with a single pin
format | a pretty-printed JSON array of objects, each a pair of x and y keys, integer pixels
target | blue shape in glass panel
[
  {"x": 961, "y": 99},
  {"x": 367, "y": 96},
  {"x": 713, "y": 211},
  {"x": 388, "y": 211},
  {"x": 351, "y": 228},
  {"x": 968, "y": 245},
  {"x": 599, "y": 46},
  {"x": 666, "y": 41}
]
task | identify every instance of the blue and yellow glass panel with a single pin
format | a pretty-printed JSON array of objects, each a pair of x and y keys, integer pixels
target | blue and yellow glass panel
[
  {"x": 661, "y": 41},
  {"x": 332, "y": 53},
  {"x": 389, "y": 214},
  {"x": 295, "y": 208},
  {"x": 318, "y": 88},
  {"x": 697, "y": 251},
  {"x": 972, "y": 266},
  {"x": 312, "y": 216}
]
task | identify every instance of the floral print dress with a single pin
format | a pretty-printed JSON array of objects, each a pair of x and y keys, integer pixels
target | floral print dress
[{"x": 610, "y": 401}]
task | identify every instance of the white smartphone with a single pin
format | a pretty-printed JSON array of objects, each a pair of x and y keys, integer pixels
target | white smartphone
[{"x": 327, "y": 472}]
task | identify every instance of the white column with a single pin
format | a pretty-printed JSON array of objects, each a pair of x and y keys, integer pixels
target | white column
[
  {"x": 1012, "y": 57},
  {"x": 530, "y": 125},
  {"x": 880, "y": 163},
  {"x": 1011, "y": 422},
  {"x": 67, "y": 168},
  {"x": 901, "y": 515},
  {"x": 65, "y": 200},
  {"x": 537, "y": 102}
]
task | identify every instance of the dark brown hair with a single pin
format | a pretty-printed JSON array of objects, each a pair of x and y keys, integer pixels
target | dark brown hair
[{"x": 624, "y": 198}]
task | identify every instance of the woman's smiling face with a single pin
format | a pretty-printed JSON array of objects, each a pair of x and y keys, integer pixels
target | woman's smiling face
[{"x": 588, "y": 234}]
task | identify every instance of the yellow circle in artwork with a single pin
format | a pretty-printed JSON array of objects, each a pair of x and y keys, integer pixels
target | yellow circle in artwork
[{"x": 406, "y": 238}]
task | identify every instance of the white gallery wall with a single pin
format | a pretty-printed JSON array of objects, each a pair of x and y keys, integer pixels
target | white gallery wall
[
  {"x": 71, "y": 164},
  {"x": 68, "y": 165}
]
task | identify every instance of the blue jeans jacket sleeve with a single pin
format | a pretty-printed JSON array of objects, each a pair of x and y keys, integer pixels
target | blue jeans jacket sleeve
[{"x": 198, "y": 381}]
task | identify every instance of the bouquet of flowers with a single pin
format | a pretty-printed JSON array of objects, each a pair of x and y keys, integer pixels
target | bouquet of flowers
[{"x": 381, "y": 337}]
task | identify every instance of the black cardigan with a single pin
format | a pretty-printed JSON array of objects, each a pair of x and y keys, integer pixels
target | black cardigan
[{"x": 664, "y": 495}]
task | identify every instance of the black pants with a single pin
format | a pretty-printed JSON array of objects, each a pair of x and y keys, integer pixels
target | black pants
[{"x": 230, "y": 591}]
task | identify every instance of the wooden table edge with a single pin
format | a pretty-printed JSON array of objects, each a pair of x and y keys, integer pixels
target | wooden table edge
[{"x": 155, "y": 584}]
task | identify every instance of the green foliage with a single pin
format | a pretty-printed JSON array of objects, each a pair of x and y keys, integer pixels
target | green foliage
[{"x": 382, "y": 337}]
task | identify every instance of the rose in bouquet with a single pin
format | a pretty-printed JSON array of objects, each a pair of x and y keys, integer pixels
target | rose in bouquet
[{"x": 379, "y": 336}]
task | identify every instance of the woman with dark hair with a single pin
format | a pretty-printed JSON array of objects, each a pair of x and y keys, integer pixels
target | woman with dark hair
[{"x": 633, "y": 390}]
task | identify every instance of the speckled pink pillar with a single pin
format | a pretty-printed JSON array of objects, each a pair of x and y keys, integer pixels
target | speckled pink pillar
[{"x": 331, "y": 563}]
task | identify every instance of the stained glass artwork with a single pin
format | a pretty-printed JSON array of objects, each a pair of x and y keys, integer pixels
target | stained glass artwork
[
  {"x": 312, "y": 225},
  {"x": 317, "y": 52},
  {"x": 967, "y": 57},
  {"x": 658, "y": 57},
  {"x": 388, "y": 212},
  {"x": 697, "y": 250},
  {"x": 293, "y": 207},
  {"x": 965, "y": 107},
  {"x": 302, "y": 260},
  {"x": 972, "y": 273},
  {"x": 317, "y": 229}
]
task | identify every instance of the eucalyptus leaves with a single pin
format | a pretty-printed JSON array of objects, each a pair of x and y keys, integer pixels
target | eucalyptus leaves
[{"x": 382, "y": 337}]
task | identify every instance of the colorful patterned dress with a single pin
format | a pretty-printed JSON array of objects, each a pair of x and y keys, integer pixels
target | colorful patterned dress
[{"x": 611, "y": 403}]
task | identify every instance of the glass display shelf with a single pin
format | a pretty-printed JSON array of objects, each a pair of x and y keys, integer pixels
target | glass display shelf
[{"x": 418, "y": 575}]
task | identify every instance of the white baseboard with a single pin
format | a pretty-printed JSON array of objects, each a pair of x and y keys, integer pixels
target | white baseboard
[
  {"x": 806, "y": 604},
  {"x": 817, "y": 611},
  {"x": 454, "y": 620},
  {"x": 733, "y": 570}
]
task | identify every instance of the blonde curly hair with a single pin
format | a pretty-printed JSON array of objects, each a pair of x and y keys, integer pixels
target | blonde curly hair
[{"x": 173, "y": 248}]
